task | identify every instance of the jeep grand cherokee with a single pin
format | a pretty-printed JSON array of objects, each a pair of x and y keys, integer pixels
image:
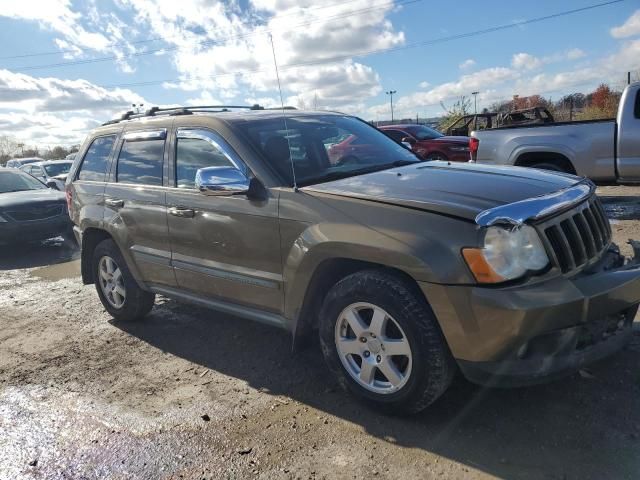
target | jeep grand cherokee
[{"x": 407, "y": 270}]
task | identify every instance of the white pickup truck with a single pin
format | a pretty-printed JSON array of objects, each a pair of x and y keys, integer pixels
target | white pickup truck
[{"x": 603, "y": 150}]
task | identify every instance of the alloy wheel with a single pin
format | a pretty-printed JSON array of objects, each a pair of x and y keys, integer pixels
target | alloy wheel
[{"x": 112, "y": 282}]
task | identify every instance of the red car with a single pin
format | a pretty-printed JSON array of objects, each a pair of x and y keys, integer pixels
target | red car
[{"x": 430, "y": 144}]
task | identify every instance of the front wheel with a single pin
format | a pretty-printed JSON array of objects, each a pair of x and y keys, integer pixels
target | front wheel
[
  {"x": 118, "y": 291},
  {"x": 381, "y": 339}
]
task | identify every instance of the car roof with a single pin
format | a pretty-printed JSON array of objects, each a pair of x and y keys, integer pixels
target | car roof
[
  {"x": 402, "y": 125},
  {"x": 51, "y": 162},
  {"x": 231, "y": 116}
]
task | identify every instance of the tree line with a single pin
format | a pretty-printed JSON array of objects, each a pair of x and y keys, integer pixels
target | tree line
[{"x": 12, "y": 148}]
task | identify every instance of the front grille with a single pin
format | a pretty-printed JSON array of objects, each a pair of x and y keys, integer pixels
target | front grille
[
  {"x": 36, "y": 213},
  {"x": 578, "y": 236}
]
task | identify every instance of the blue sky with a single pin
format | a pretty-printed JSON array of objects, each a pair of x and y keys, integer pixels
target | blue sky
[{"x": 320, "y": 47}]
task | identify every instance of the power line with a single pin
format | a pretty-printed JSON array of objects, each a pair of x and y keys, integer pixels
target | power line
[
  {"x": 206, "y": 43},
  {"x": 378, "y": 51},
  {"x": 154, "y": 39}
]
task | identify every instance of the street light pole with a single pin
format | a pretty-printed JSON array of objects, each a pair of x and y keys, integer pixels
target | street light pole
[
  {"x": 475, "y": 102},
  {"x": 390, "y": 93}
]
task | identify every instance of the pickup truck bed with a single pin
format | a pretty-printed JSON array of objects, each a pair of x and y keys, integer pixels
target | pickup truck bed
[{"x": 603, "y": 150}]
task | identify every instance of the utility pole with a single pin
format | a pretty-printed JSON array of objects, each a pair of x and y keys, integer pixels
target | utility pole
[
  {"x": 475, "y": 102},
  {"x": 390, "y": 93}
]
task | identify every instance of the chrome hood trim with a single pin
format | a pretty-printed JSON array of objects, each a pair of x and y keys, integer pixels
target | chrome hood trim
[{"x": 517, "y": 213}]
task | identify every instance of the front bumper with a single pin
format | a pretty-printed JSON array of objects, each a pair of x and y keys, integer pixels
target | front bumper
[
  {"x": 528, "y": 334},
  {"x": 33, "y": 231}
]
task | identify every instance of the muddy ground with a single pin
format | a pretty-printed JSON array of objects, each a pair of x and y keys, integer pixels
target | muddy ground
[{"x": 191, "y": 393}]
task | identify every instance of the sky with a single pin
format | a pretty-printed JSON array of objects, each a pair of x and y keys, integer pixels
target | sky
[{"x": 69, "y": 65}]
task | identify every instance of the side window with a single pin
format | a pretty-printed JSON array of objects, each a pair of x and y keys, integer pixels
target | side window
[
  {"x": 196, "y": 149},
  {"x": 636, "y": 109},
  {"x": 94, "y": 165},
  {"x": 140, "y": 161},
  {"x": 37, "y": 171},
  {"x": 397, "y": 135}
]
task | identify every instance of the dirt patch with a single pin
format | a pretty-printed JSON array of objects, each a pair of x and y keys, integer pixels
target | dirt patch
[{"x": 192, "y": 393}]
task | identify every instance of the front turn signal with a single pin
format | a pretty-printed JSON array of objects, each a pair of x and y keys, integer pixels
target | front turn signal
[{"x": 479, "y": 266}]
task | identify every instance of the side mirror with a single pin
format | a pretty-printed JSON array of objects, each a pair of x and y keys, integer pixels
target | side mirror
[
  {"x": 407, "y": 145},
  {"x": 222, "y": 181},
  {"x": 52, "y": 184}
]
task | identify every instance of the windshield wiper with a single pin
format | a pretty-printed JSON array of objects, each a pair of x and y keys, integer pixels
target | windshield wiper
[{"x": 361, "y": 171}]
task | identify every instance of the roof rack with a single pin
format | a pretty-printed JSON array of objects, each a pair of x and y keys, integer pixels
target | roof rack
[{"x": 156, "y": 111}]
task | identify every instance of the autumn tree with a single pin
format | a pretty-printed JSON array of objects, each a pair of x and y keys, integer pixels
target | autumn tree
[{"x": 454, "y": 112}]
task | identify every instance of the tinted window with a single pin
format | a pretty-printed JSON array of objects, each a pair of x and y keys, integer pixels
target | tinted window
[
  {"x": 94, "y": 165},
  {"x": 13, "y": 181},
  {"x": 397, "y": 135},
  {"x": 193, "y": 154},
  {"x": 637, "y": 106},
  {"x": 425, "y": 133},
  {"x": 309, "y": 142},
  {"x": 140, "y": 161},
  {"x": 54, "y": 169}
]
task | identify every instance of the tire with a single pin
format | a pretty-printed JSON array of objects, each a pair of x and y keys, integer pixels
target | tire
[
  {"x": 437, "y": 156},
  {"x": 425, "y": 373},
  {"x": 135, "y": 303}
]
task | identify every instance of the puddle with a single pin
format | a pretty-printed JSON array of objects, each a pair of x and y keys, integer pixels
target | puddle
[
  {"x": 58, "y": 271},
  {"x": 622, "y": 208}
]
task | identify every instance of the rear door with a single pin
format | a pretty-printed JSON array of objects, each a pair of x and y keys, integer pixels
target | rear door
[
  {"x": 135, "y": 207},
  {"x": 629, "y": 138},
  {"x": 225, "y": 248}
]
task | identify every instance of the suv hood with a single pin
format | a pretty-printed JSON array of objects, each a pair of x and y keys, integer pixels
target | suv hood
[{"x": 459, "y": 189}]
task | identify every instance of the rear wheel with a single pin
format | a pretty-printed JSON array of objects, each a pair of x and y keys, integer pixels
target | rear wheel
[
  {"x": 437, "y": 156},
  {"x": 383, "y": 342},
  {"x": 118, "y": 291}
]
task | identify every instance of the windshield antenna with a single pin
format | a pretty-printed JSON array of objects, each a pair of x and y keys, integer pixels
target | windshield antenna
[{"x": 284, "y": 115}]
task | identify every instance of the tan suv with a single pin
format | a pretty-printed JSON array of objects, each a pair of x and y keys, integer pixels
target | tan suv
[{"x": 407, "y": 270}]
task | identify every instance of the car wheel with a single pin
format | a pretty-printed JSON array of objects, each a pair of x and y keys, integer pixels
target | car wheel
[
  {"x": 383, "y": 342},
  {"x": 117, "y": 289},
  {"x": 437, "y": 156}
]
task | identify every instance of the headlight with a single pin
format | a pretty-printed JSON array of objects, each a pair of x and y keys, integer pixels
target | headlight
[{"x": 506, "y": 254}]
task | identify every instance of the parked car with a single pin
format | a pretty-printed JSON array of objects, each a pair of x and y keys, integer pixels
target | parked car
[
  {"x": 407, "y": 270},
  {"x": 482, "y": 121},
  {"x": 71, "y": 156},
  {"x": 30, "y": 211},
  {"x": 603, "y": 150},
  {"x": 52, "y": 173},
  {"x": 430, "y": 144},
  {"x": 18, "y": 162}
]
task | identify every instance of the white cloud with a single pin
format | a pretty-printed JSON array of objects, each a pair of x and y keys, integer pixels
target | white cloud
[
  {"x": 307, "y": 36},
  {"x": 629, "y": 28},
  {"x": 525, "y": 61},
  {"x": 575, "y": 53},
  {"x": 58, "y": 16},
  {"x": 53, "y": 110},
  {"x": 424, "y": 84},
  {"x": 467, "y": 64}
]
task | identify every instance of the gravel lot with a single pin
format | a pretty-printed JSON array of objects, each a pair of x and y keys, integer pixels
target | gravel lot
[{"x": 191, "y": 393}]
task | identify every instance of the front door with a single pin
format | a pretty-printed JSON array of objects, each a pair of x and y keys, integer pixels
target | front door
[
  {"x": 136, "y": 211},
  {"x": 225, "y": 248}
]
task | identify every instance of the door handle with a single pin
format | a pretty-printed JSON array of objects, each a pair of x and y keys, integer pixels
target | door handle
[
  {"x": 114, "y": 202},
  {"x": 182, "y": 212}
]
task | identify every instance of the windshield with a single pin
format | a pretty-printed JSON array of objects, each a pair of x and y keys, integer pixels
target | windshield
[
  {"x": 324, "y": 147},
  {"x": 55, "y": 169},
  {"x": 425, "y": 133},
  {"x": 17, "y": 181}
]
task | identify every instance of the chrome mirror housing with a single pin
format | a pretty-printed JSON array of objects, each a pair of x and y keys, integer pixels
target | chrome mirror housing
[
  {"x": 407, "y": 145},
  {"x": 222, "y": 181}
]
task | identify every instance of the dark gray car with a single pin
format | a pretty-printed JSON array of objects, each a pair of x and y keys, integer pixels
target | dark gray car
[
  {"x": 407, "y": 271},
  {"x": 30, "y": 211}
]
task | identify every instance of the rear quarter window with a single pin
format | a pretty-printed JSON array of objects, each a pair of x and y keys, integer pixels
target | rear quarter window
[{"x": 94, "y": 164}]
